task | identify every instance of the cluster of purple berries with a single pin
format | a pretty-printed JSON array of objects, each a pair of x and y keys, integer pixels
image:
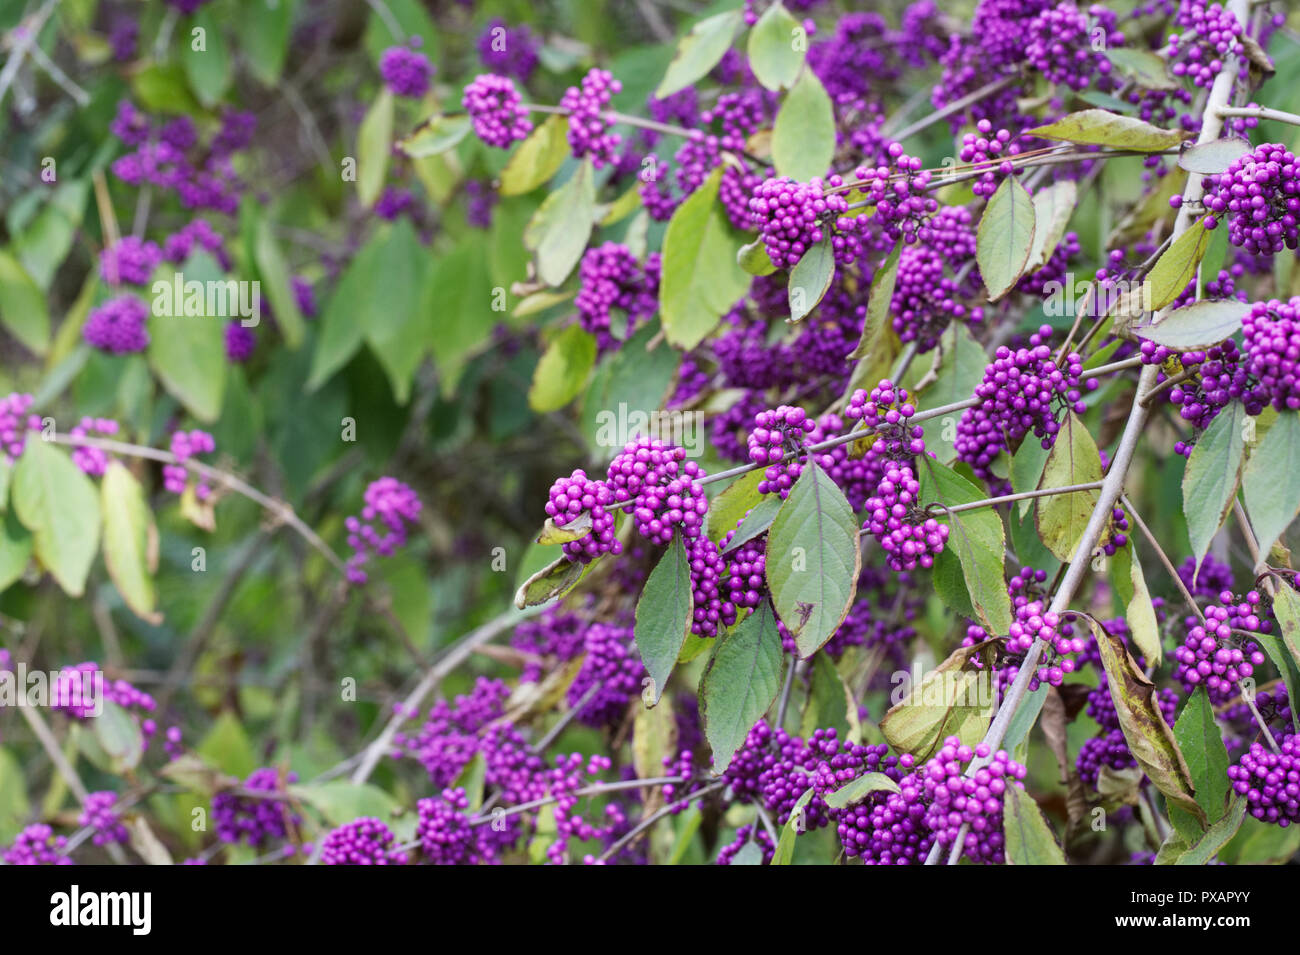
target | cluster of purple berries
[
  {"x": 15, "y": 422},
  {"x": 983, "y": 148},
  {"x": 255, "y": 820},
  {"x": 792, "y": 217},
  {"x": 1270, "y": 781},
  {"x": 1020, "y": 394},
  {"x": 569, "y": 498},
  {"x": 926, "y": 298},
  {"x": 92, "y": 461},
  {"x": 390, "y": 509},
  {"x": 776, "y": 432},
  {"x": 1259, "y": 195},
  {"x": 1064, "y": 44},
  {"x": 497, "y": 110},
  {"x": 589, "y": 132},
  {"x": 611, "y": 279},
  {"x": 894, "y": 516},
  {"x": 663, "y": 488},
  {"x": 1271, "y": 332},
  {"x": 902, "y": 207},
  {"x": 509, "y": 50},
  {"x": 1221, "y": 375},
  {"x": 1213, "y": 656},
  {"x": 1210, "y": 35},
  {"x": 37, "y": 845},
  {"x": 405, "y": 71},
  {"x": 98, "y": 813},
  {"x": 118, "y": 326},
  {"x": 364, "y": 841},
  {"x": 129, "y": 260},
  {"x": 185, "y": 445}
]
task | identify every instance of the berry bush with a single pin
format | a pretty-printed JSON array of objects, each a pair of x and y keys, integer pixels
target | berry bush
[{"x": 762, "y": 432}]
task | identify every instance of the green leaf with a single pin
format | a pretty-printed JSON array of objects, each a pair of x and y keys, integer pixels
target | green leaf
[
  {"x": 15, "y": 549},
  {"x": 810, "y": 279},
  {"x": 664, "y": 615},
  {"x": 1210, "y": 481},
  {"x": 14, "y": 805},
  {"x": 860, "y": 789},
  {"x": 227, "y": 746},
  {"x": 538, "y": 157},
  {"x": 1097, "y": 127},
  {"x": 876, "y": 325},
  {"x": 1139, "y": 611},
  {"x": 784, "y": 853},
  {"x": 43, "y": 244},
  {"x": 701, "y": 279},
  {"x": 129, "y": 539},
  {"x": 1204, "y": 849},
  {"x": 264, "y": 37},
  {"x": 828, "y": 702},
  {"x": 749, "y": 854},
  {"x": 1197, "y": 325},
  {"x": 959, "y": 364},
  {"x": 436, "y": 135},
  {"x": 1213, "y": 158},
  {"x": 188, "y": 355},
  {"x": 60, "y": 506},
  {"x": 340, "y": 801},
  {"x": 552, "y": 581},
  {"x": 803, "y": 137},
  {"x": 120, "y": 737},
  {"x": 458, "y": 304},
  {"x": 1175, "y": 268},
  {"x": 1285, "y": 648},
  {"x": 953, "y": 699},
  {"x": 208, "y": 69},
  {"x": 1270, "y": 484},
  {"x": 394, "y": 322},
  {"x": 274, "y": 271},
  {"x": 22, "y": 306},
  {"x": 1142, "y": 66},
  {"x": 757, "y": 522},
  {"x": 374, "y": 147},
  {"x": 163, "y": 89},
  {"x": 1053, "y": 207},
  {"x": 558, "y": 232},
  {"x": 1201, "y": 742},
  {"x": 813, "y": 559},
  {"x": 1030, "y": 840},
  {"x": 699, "y": 51},
  {"x": 740, "y": 684},
  {"x": 976, "y": 539},
  {"x": 1149, "y": 737},
  {"x": 753, "y": 258},
  {"x": 1074, "y": 459},
  {"x": 773, "y": 54},
  {"x": 1005, "y": 237},
  {"x": 738, "y": 498},
  {"x": 563, "y": 370}
]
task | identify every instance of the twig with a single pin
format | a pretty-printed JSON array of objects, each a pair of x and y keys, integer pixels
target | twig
[
  {"x": 1261, "y": 112},
  {"x": 448, "y": 662},
  {"x": 956, "y": 106},
  {"x": 25, "y": 34},
  {"x": 282, "y": 511}
]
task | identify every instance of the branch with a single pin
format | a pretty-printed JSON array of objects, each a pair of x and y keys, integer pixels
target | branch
[
  {"x": 1113, "y": 485},
  {"x": 283, "y": 511}
]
